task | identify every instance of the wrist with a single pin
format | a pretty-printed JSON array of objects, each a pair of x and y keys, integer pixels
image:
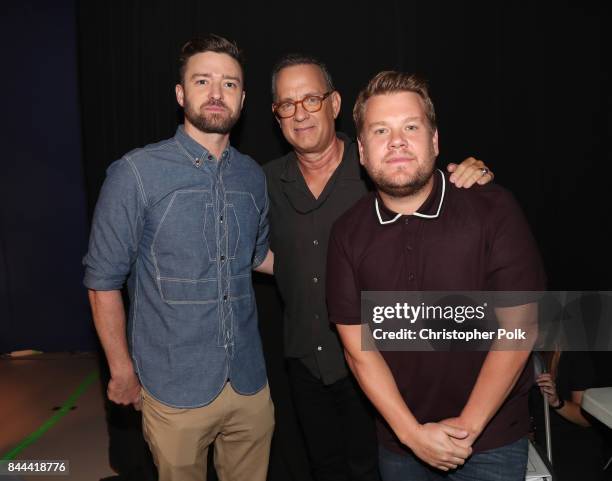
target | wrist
[
  {"x": 408, "y": 436},
  {"x": 559, "y": 405},
  {"x": 473, "y": 424},
  {"x": 123, "y": 370}
]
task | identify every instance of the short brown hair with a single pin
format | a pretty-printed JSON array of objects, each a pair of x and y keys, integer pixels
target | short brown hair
[
  {"x": 390, "y": 81},
  {"x": 208, "y": 43},
  {"x": 292, "y": 59}
]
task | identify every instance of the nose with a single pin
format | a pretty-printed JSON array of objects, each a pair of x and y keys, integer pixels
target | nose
[
  {"x": 397, "y": 140},
  {"x": 215, "y": 90},
  {"x": 301, "y": 113}
]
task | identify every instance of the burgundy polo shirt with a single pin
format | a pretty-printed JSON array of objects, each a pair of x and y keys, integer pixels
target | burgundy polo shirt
[{"x": 459, "y": 239}]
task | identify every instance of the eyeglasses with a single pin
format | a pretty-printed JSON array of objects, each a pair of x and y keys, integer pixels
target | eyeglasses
[{"x": 311, "y": 103}]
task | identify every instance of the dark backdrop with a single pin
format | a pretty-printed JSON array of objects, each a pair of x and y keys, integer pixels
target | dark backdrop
[
  {"x": 522, "y": 86},
  {"x": 43, "y": 216}
]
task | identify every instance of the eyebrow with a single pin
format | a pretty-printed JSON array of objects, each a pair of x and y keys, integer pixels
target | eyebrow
[
  {"x": 308, "y": 94},
  {"x": 225, "y": 77},
  {"x": 406, "y": 119}
]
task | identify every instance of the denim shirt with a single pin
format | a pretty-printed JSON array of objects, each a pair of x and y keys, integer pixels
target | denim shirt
[{"x": 185, "y": 229}]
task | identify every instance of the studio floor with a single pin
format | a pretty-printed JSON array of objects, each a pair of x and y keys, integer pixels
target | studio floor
[{"x": 51, "y": 408}]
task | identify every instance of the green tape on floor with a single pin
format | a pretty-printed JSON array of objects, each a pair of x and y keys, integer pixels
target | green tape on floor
[{"x": 49, "y": 423}]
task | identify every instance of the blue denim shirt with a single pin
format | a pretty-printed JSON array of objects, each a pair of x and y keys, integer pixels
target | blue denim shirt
[{"x": 185, "y": 229}]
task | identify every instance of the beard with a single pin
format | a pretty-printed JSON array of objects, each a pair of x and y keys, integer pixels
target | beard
[
  {"x": 393, "y": 187},
  {"x": 211, "y": 123}
]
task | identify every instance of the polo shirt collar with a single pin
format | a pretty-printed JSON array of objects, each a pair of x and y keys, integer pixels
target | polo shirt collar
[
  {"x": 430, "y": 209},
  {"x": 196, "y": 152}
]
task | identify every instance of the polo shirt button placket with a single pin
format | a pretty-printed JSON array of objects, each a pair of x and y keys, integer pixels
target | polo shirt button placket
[{"x": 315, "y": 279}]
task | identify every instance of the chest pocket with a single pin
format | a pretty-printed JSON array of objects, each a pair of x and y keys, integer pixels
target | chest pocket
[
  {"x": 243, "y": 217},
  {"x": 184, "y": 249}
]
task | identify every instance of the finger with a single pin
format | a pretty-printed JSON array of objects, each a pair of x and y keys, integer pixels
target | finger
[
  {"x": 448, "y": 464},
  {"x": 471, "y": 178},
  {"x": 454, "y": 432},
  {"x": 470, "y": 174},
  {"x": 457, "y": 461},
  {"x": 451, "y": 168},
  {"x": 459, "y": 451},
  {"x": 461, "y": 168},
  {"x": 485, "y": 179}
]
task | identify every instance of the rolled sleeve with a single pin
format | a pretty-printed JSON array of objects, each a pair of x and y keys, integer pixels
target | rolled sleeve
[{"x": 116, "y": 228}]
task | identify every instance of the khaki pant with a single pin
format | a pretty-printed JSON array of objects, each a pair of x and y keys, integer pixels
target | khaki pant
[{"x": 240, "y": 427}]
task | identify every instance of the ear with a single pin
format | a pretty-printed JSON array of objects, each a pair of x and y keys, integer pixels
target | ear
[
  {"x": 336, "y": 103},
  {"x": 242, "y": 101},
  {"x": 180, "y": 94},
  {"x": 361, "y": 154},
  {"x": 434, "y": 141}
]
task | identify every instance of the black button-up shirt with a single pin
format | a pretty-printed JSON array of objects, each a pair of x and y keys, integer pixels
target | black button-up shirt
[{"x": 300, "y": 228}]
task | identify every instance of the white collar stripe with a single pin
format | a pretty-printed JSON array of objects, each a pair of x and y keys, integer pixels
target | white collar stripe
[{"x": 418, "y": 214}]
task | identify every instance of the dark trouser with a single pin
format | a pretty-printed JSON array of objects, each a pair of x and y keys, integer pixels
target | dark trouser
[
  {"x": 338, "y": 426},
  {"x": 507, "y": 463}
]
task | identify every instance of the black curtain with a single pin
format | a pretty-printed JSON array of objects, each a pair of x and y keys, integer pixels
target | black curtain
[
  {"x": 43, "y": 220},
  {"x": 521, "y": 85}
]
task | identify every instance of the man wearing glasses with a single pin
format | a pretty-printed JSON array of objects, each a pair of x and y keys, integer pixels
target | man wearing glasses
[{"x": 309, "y": 189}]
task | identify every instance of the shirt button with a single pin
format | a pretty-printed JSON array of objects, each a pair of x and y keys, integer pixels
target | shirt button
[
  {"x": 411, "y": 276},
  {"x": 319, "y": 348},
  {"x": 225, "y": 298},
  {"x": 222, "y": 258},
  {"x": 210, "y": 157},
  {"x": 408, "y": 247},
  {"x": 221, "y": 219},
  {"x": 197, "y": 162},
  {"x": 407, "y": 220},
  {"x": 315, "y": 242},
  {"x": 315, "y": 279}
]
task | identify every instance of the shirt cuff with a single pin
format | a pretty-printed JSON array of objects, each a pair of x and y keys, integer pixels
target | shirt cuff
[
  {"x": 97, "y": 283},
  {"x": 259, "y": 257},
  {"x": 345, "y": 320}
]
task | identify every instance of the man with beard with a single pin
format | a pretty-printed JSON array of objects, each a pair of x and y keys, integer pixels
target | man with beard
[
  {"x": 418, "y": 232},
  {"x": 309, "y": 189},
  {"x": 184, "y": 221}
]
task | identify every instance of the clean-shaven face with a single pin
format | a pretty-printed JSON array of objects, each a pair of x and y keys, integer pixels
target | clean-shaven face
[{"x": 307, "y": 132}]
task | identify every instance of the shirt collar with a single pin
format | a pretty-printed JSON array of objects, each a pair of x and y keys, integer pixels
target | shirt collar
[
  {"x": 349, "y": 168},
  {"x": 196, "y": 152},
  {"x": 430, "y": 209}
]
